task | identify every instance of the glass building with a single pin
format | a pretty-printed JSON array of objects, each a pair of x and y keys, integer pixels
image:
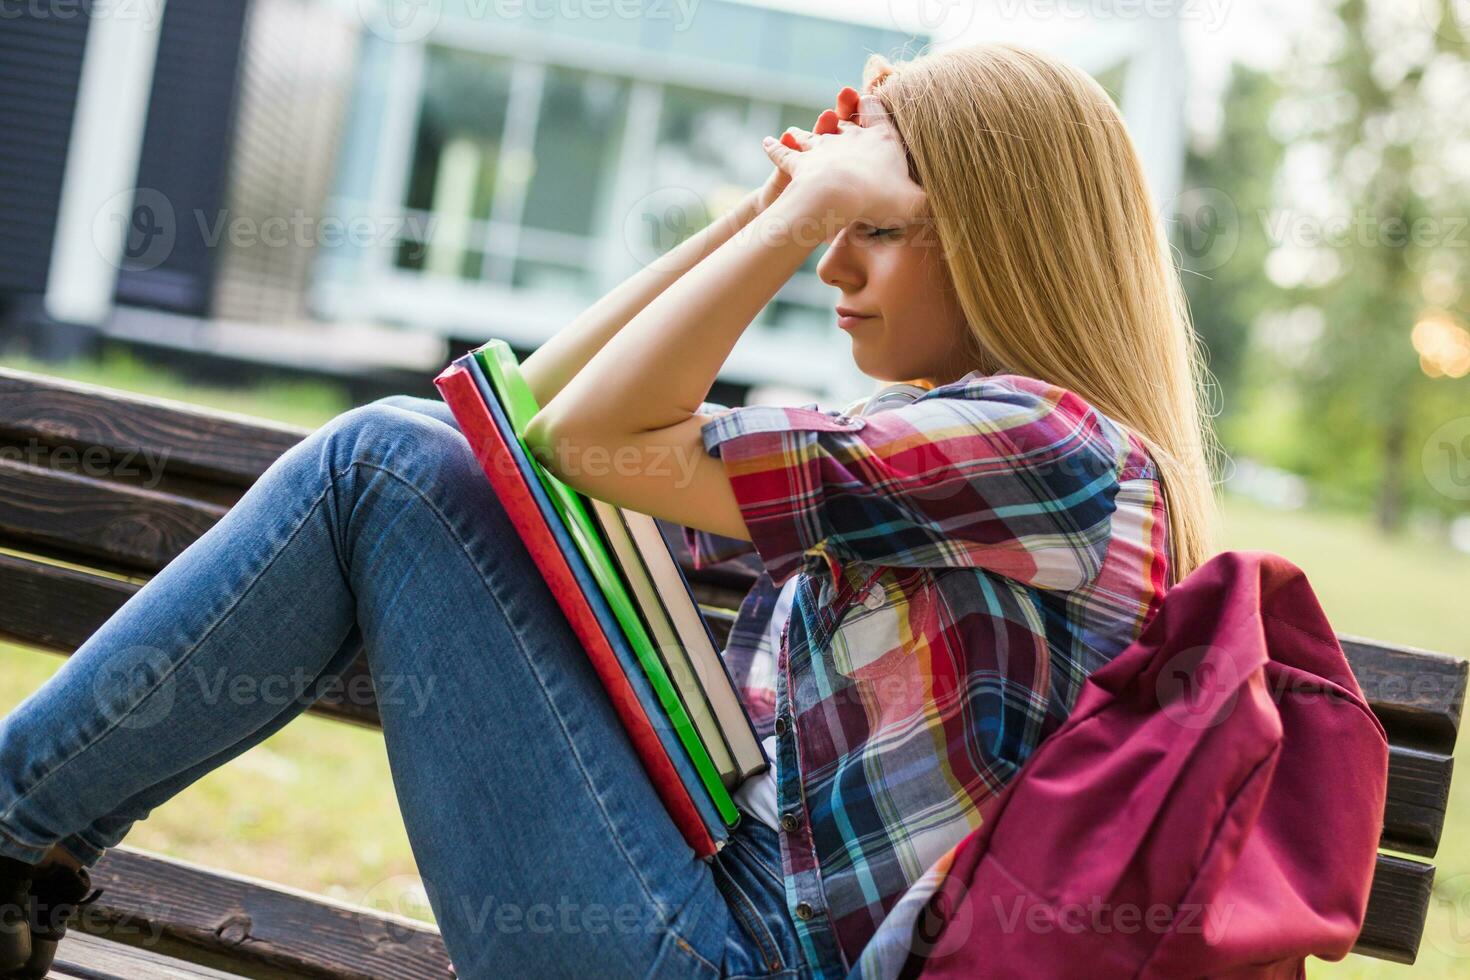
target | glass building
[{"x": 520, "y": 168}]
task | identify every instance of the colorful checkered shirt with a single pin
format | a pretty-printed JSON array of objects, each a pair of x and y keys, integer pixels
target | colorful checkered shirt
[{"x": 967, "y": 555}]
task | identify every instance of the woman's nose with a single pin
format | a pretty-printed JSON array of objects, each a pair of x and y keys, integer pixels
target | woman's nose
[{"x": 839, "y": 267}]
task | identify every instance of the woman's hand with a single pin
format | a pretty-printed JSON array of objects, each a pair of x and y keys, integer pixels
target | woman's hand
[
  {"x": 827, "y": 122},
  {"x": 856, "y": 167}
]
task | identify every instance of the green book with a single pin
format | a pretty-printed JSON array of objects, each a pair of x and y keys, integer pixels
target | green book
[{"x": 504, "y": 374}]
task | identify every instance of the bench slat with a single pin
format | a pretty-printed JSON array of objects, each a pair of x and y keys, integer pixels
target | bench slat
[
  {"x": 53, "y": 607},
  {"x": 199, "y": 442},
  {"x": 84, "y": 957},
  {"x": 1398, "y": 905},
  {"x": 122, "y": 523},
  {"x": 223, "y": 920},
  {"x": 1418, "y": 798},
  {"x": 1419, "y": 695},
  {"x": 216, "y": 919}
]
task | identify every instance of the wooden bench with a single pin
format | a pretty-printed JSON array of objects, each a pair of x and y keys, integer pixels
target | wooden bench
[{"x": 100, "y": 489}]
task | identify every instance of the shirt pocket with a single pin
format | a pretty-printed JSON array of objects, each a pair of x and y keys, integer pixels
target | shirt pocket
[{"x": 876, "y": 633}]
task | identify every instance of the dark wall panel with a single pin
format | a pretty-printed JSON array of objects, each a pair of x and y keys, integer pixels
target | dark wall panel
[
  {"x": 186, "y": 147},
  {"x": 40, "y": 63}
]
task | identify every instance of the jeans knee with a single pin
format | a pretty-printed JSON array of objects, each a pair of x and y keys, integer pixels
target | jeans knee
[
  {"x": 407, "y": 403},
  {"x": 431, "y": 407},
  {"x": 388, "y": 428},
  {"x": 412, "y": 448}
]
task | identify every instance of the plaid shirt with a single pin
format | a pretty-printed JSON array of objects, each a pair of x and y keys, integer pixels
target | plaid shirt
[{"x": 966, "y": 555}]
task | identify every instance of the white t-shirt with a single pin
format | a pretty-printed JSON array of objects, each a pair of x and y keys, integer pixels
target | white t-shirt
[{"x": 757, "y": 795}]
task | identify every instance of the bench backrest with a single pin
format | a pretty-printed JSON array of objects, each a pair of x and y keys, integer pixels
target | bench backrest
[{"x": 100, "y": 489}]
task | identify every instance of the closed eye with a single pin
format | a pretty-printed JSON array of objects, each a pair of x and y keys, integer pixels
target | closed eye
[{"x": 881, "y": 232}]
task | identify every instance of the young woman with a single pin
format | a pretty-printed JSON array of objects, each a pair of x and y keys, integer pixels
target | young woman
[{"x": 944, "y": 563}]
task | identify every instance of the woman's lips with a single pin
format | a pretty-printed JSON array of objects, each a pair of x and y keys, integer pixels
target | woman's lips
[{"x": 848, "y": 322}]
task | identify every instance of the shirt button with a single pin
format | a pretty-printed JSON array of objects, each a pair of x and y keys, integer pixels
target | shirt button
[
  {"x": 804, "y": 911},
  {"x": 781, "y": 725},
  {"x": 789, "y": 821}
]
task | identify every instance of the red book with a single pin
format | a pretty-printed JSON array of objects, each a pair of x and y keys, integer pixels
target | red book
[{"x": 460, "y": 392}]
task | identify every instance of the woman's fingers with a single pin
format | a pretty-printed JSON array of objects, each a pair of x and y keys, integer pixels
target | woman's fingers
[
  {"x": 847, "y": 107},
  {"x": 796, "y": 137},
  {"x": 781, "y": 155}
]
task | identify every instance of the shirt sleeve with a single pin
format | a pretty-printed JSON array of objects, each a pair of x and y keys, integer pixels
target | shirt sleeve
[
  {"x": 708, "y": 548},
  {"x": 1010, "y": 474}
]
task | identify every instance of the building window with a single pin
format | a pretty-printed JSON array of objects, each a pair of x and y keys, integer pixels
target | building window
[{"x": 524, "y": 175}]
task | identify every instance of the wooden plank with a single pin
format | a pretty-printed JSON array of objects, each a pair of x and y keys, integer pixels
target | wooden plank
[
  {"x": 252, "y": 927},
  {"x": 1419, "y": 695},
  {"x": 84, "y": 957},
  {"x": 1398, "y": 906},
  {"x": 215, "y": 445},
  {"x": 257, "y": 929},
  {"x": 1418, "y": 797},
  {"x": 83, "y": 515},
  {"x": 53, "y": 607}
]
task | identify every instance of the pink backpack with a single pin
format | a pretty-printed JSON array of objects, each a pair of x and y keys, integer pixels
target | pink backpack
[{"x": 1211, "y": 807}]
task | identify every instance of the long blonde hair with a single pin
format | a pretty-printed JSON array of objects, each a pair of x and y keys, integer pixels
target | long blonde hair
[{"x": 1059, "y": 259}]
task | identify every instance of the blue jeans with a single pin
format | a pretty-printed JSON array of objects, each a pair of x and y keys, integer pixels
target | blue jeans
[{"x": 541, "y": 844}]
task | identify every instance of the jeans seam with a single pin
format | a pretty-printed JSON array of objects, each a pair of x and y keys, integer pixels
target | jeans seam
[
  {"x": 684, "y": 944},
  {"x": 468, "y": 555},
  {"x": 744, "y": 909},
  {"x": 173, "y": 668},
  {"x": 777, "y": 878}
]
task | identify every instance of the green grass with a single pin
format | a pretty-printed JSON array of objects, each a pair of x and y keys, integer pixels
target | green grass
[
  {"x": 1407, "y": 590},
  {"x": 313, "y": 805}
]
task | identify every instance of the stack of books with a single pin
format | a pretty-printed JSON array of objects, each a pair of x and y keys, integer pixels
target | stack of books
[{"x": 626, "y": 599}]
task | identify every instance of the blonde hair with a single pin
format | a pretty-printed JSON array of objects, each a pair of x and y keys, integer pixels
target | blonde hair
[{"x": 1059, "y": 259}]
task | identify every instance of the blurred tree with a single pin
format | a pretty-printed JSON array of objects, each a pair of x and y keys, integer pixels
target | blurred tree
[
  {"x": 1220, "y": 248},
  {"x": 1374, "y": 101}
]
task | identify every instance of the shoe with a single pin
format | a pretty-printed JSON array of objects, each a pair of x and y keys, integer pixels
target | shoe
[
  {"x": 56, "y": 893},
  {"x": 15, "y": 929}
]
